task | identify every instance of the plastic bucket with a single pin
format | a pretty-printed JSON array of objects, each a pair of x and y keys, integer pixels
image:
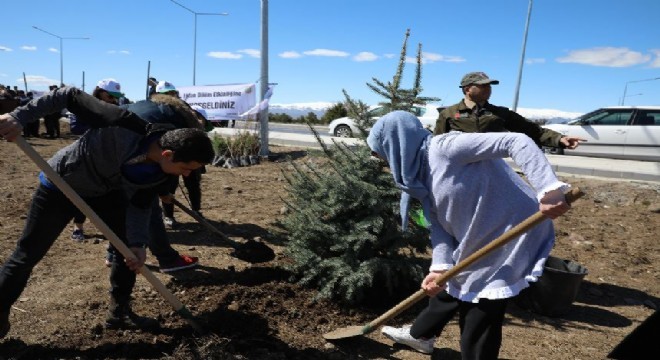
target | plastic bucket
[{"x": 555, "y": 291}]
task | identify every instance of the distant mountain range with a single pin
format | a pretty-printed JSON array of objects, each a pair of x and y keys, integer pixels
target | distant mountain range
[{"x": 302, "y": 109}]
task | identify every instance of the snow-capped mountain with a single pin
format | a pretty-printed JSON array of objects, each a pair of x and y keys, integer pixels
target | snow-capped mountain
[
  {"x": 552, "y": 116},
  {"x": 301, "y": 109}
]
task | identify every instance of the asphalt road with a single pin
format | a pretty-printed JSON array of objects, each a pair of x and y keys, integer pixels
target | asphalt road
[{"x": 301, "y": 136}]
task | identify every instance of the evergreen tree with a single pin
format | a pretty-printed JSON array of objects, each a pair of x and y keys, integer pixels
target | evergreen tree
[
  {"x": 344, "y": 228},
  {"x": 344, "y": 234},
  {"x": 336, "y": 111},
  {"x": 280, "y": 118},
  {"x": 312, "y": 118},
  {"x": 398, "y": 98}
]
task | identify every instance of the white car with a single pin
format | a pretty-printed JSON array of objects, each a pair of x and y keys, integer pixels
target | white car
[
  {"x": 618, "y": 132},
  {"x": 345, "y": 126}
]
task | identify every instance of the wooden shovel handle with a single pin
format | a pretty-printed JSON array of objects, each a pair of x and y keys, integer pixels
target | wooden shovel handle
[
  {"x": 530, "y": 222},
  {"x": 105, "y": 230},
  {"x": 202, "y": 221}
]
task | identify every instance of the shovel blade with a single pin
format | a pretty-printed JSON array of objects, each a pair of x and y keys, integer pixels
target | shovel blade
[{"x": 347, "y": 332}]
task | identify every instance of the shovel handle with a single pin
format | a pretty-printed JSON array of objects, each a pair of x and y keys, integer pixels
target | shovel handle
[
  {"x": 530, "y": 222},
  {"x": 201, "y": 220},
  {"x": 103, "y": 227}
]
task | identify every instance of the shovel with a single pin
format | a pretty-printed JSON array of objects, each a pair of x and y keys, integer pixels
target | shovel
[
  {"x": 513, "y": 233},
  {"x": 71, "y": 194},
  {"x": 252, "y": 251}
]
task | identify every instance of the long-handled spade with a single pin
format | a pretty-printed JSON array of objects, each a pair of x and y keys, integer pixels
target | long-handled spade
[
  {"x": 514, "y": 232},
  {"x": 252, "y": 251},
  {"x": 71, "y": 194}
]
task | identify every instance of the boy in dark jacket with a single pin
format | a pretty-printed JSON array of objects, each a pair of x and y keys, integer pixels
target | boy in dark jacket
[{"x": 120, "y": 161}]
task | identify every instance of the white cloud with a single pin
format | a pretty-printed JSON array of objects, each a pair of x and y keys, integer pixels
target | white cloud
[
  {"x": 38, "y": 80},
  {"x": 251, "y": 52},
  {"x": 53, "y": 50},
  {"x": 122, "y": 52},
  {"x": 605, "y": 56},
  {"x": 389, "y": 56},
  {"x": 28, "y": 48},
  {"x": 428, "y": 57},
  {"x": 4, "y": 48},
  {"x": 656, "y": 62},
  {"x": 365, "y": 56},
  {"x": 224, "y": 55},
  {"x": 535, "y": 61},
  {"x": 412, "y": 60},
  {"x": 289, "y": 55},
  {"x": 326, "y": 52}
]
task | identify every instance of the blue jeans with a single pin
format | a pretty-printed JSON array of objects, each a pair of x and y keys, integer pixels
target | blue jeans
[
  {"x": 49, "y": 214},
  {"x": 159, "y": 243}
]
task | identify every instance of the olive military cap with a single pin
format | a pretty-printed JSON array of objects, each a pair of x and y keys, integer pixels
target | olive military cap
[{"x": 477, "y": 78}]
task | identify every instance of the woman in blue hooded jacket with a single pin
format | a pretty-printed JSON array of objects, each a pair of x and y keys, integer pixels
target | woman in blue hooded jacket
[{"x": 470, "y": 196}]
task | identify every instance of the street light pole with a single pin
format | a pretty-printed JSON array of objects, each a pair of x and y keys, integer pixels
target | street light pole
[
  {"x": 621, "y": 102},
  {"x": 625, "y": 88},
  {"x": 263, "y": 114},
  {"x": 61, "y": 49},
  {"x": 522, "y": 58},
  {"x": 195, "y": 34}
]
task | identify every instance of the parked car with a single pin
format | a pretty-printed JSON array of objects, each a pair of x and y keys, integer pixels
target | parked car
[
  {"x": 619, "y": 132},
  {"x": 346, "y": 127}
]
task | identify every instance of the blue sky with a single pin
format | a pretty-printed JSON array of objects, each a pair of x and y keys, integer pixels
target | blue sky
[{"x": 580, "y": 54}]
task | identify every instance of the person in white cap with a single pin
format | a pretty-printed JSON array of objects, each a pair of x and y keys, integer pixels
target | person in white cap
[
  {"x": 193, "y": 184},
  {"x": 166, "y": 87},
  {"x": 108, "y": 90}
]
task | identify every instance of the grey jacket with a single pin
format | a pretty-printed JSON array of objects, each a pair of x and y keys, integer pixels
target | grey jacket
[{"x": 92, "y": 165}]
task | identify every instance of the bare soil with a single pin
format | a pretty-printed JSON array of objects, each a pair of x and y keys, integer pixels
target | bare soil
[{"x": 252, "y": 311}]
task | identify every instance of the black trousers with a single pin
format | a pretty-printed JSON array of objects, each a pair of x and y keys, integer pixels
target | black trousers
[
  {"x": 52, "y": 124},
  {"x": 31, "y": 129},
  {"x": 480, "y": 324},
  {"x": 193, "y": 184},
  {"x": 49, "y": 214}
]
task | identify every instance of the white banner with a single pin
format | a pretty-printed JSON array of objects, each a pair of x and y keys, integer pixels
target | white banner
[
  {"x": 262, "y": 105},
  {"x": 221, "y": 102}
]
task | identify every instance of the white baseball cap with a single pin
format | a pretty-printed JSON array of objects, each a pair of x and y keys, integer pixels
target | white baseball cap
[
  {"x": 165, "y": 87},
  {"x": 111, "y": 86}
]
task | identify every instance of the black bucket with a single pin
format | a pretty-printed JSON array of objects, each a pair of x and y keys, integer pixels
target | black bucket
[{"x": 555, "y": 291}]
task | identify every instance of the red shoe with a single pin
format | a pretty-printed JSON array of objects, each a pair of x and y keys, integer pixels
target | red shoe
[{"x": 181, "y": 263}]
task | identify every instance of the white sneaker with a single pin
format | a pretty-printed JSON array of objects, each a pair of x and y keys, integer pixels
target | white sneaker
[
  {"x": 169, "y": 222},
  {"x": 402, "y": 336}
]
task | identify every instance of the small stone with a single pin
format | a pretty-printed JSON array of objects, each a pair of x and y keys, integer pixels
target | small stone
[{"x": 233, "y": 306}]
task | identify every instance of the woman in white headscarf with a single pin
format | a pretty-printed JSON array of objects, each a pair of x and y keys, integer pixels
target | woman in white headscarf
[{"x": 470, "y": 196}]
